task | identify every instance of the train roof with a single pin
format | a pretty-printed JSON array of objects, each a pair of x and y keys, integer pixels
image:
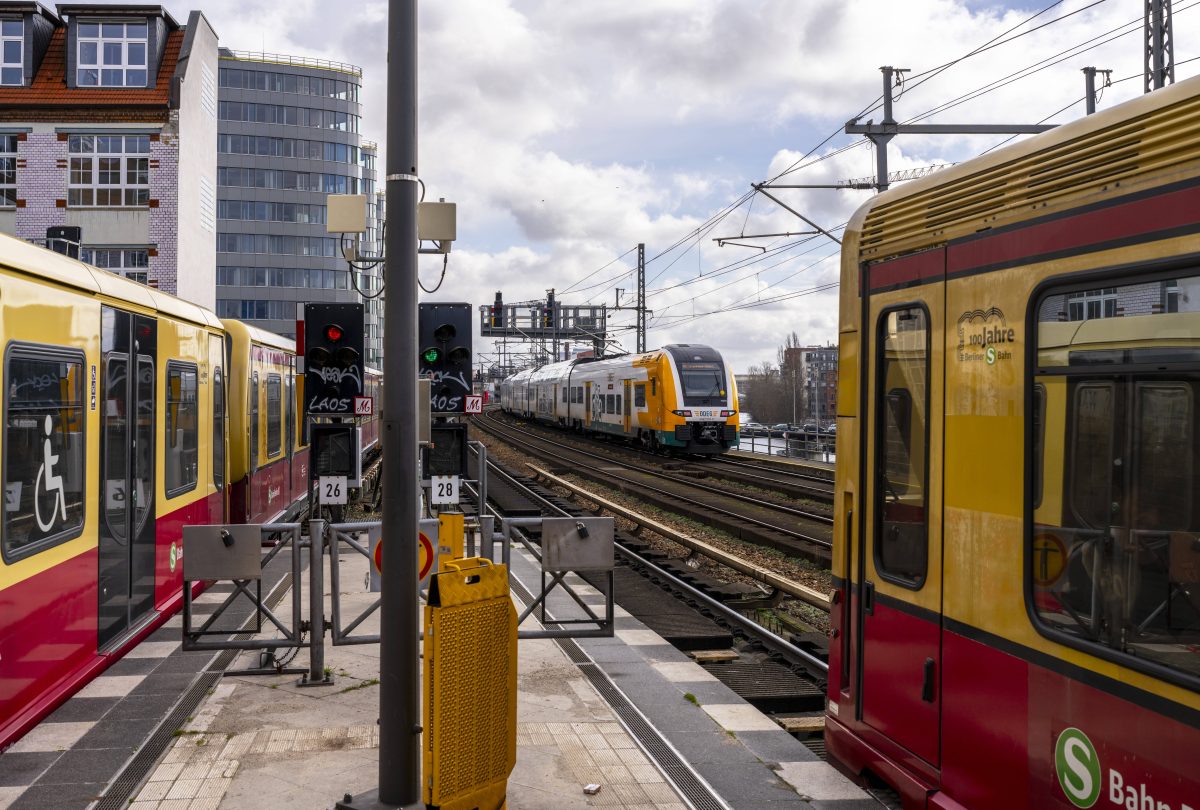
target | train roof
[
  {"x": 256, "y": 335},
  {"x": 27, "y": 258},
  {"x": 1134, "y": 145}
]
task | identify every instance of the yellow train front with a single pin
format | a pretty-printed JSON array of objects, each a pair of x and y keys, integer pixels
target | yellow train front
[{"x": 680, "y": 397}]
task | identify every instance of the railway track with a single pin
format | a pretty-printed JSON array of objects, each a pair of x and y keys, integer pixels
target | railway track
[
  {"x": 795, "y": 531},
  {"x": 815, "y": 477},
  {"x": 783, "y": 677}
]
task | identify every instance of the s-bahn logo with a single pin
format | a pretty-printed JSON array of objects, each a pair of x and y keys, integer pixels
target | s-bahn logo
[
  {"x": 984, "y": 335},
  {"x": 1082, "y": 779},
  {"x": 1078, "y": 767}
]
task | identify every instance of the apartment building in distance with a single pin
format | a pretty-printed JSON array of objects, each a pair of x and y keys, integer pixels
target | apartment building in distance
[
  {"x": 108, "y": 123},
  {"x": 288, "y": 137},
  {"x": 813, "y": 371}
]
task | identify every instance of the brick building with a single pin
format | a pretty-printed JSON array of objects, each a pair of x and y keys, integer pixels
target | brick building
[{"x": 108, "y": 122}]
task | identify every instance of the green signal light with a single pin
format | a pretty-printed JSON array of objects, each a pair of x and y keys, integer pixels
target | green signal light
[{"x": 431, "y": 356}]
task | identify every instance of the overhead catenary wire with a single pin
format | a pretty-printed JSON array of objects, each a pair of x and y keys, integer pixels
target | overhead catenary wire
[{"x": 806, "y": 160}]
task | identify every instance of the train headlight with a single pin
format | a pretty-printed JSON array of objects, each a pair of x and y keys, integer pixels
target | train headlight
[
  {"x": 727, "y": 414},
  {"x": 682, "y": 413}
]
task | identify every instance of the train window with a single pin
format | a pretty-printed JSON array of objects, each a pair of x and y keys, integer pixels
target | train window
[
  {"x": 1114, "y": 541},
  {"x": 610, "y": 404},
  {"x": 182, "y": 428},
  {"x": 274, "y": 415},
  {"x": 564, "y": 395},
  {"x": 43, "y": 449},
  {"x": 639, "y": 395},
  {"x": 218, "y": 427},
  {"x": 902, "y": 537}
]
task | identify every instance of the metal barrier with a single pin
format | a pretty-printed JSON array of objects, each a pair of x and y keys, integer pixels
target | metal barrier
[
  {"x": 558, "y": 569},
  {"x": 210, "y": 552},
  {"x": 233, "y": 554}
]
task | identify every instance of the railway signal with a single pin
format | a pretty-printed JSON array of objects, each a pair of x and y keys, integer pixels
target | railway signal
[
  {"x": 333, "y": 370},
  {"x": 496, "y": 316},
  {"x": 444, "y": 332}
]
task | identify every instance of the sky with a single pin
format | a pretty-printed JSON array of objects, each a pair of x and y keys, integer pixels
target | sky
[{"x": 568, "y": 131}]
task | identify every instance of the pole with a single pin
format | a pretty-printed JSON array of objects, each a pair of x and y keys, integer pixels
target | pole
[
  {"x": 399, "y": 688},
  {"x": 1089, "y": 77},
  {"x": 641, "y": 298}
]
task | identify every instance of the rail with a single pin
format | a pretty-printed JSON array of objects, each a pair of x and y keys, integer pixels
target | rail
[{"x": 782, "y": 584}]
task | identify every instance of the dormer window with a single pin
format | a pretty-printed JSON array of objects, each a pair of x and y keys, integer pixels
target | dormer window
[
  {"x": 12, "y": 45},
  {"x": 112, "y": 55}
]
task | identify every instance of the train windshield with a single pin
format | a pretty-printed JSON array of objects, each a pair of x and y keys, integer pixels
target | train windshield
[{"x": 703, "y": 382}]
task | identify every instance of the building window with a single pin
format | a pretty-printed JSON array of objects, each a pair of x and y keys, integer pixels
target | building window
[
  {"x": 1100, "y": 303},
  {"x": 8, "y": 171},
  {"x": 12, "y": 43},
  {"x": 111, "y": 55},
  {"x": 109, "y": 171},
  {"x": 133, "y": 263},
  {"x": 1171, "y": 296}
]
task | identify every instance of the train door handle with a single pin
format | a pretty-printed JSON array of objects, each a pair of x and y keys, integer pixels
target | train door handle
[
  {"x": 927, "y": 682},
  {"x": 869, "y": 598}
]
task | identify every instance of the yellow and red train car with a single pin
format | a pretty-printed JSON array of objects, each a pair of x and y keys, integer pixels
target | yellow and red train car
[
  {"x": 128, "y": 415},
  {"x": 1016, "y": 559},
  {"x": 109, "y": 448},
  {"x": 268, "y": 451}
]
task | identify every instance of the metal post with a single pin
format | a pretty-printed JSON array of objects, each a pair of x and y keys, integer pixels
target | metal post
[
  {"x": 1089, "y": 77},
  {"x": 641, "y": 298},
  {"x": 881, "y": 141},
  {"x": 316, "y": 606},
  {"x": 1160, "y": 61},
  {"x": 399, "y": 689}
]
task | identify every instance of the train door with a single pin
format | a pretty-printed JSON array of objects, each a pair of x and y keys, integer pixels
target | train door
[
  {"x": 216, "y": 359},
  {"x": 587, "y": 404},
  {"x": 626, "y": 409},
  {"x": 899, "y": 570},
  {"x": 128, "y": 351},
  {"x": 251, "y": 500}
]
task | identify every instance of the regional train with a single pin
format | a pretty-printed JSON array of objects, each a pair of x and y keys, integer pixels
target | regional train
[
  {"x": 128, "y": 414},
  {"x": 1016, "y": 559},
  {"x": 681, "y": 397}
]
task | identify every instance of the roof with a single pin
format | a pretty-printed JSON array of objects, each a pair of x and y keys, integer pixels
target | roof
[
  {"x": 17, "y": 7},
  {"x": 112, "y": 12},
  {"x": 49, "y": 87}
]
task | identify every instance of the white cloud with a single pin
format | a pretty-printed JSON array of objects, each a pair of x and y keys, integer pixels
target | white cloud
[{"x": 569, "y": 131}]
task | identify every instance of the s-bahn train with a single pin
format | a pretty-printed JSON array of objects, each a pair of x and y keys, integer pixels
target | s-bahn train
[
  {"x": 679, "y": 397},
  {"x": 128, "y": 414},
  {"x": 1016, "y": 557}
]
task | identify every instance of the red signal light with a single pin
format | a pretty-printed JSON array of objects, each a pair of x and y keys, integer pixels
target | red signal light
[{"x": 333, "y": 332}]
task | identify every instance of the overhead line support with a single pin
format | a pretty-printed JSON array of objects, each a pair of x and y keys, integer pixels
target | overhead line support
[{"x": 882, "y": 133}]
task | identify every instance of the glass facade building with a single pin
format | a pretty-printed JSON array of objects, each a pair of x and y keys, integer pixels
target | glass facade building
[{"x": 288, "y": 135}]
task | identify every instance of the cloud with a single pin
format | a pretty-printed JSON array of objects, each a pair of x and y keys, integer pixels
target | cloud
[{"x": 568, "y": 132}]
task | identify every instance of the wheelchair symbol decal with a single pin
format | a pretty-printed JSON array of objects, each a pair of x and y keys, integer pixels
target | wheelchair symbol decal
[{"x": 48, "y": 481}]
